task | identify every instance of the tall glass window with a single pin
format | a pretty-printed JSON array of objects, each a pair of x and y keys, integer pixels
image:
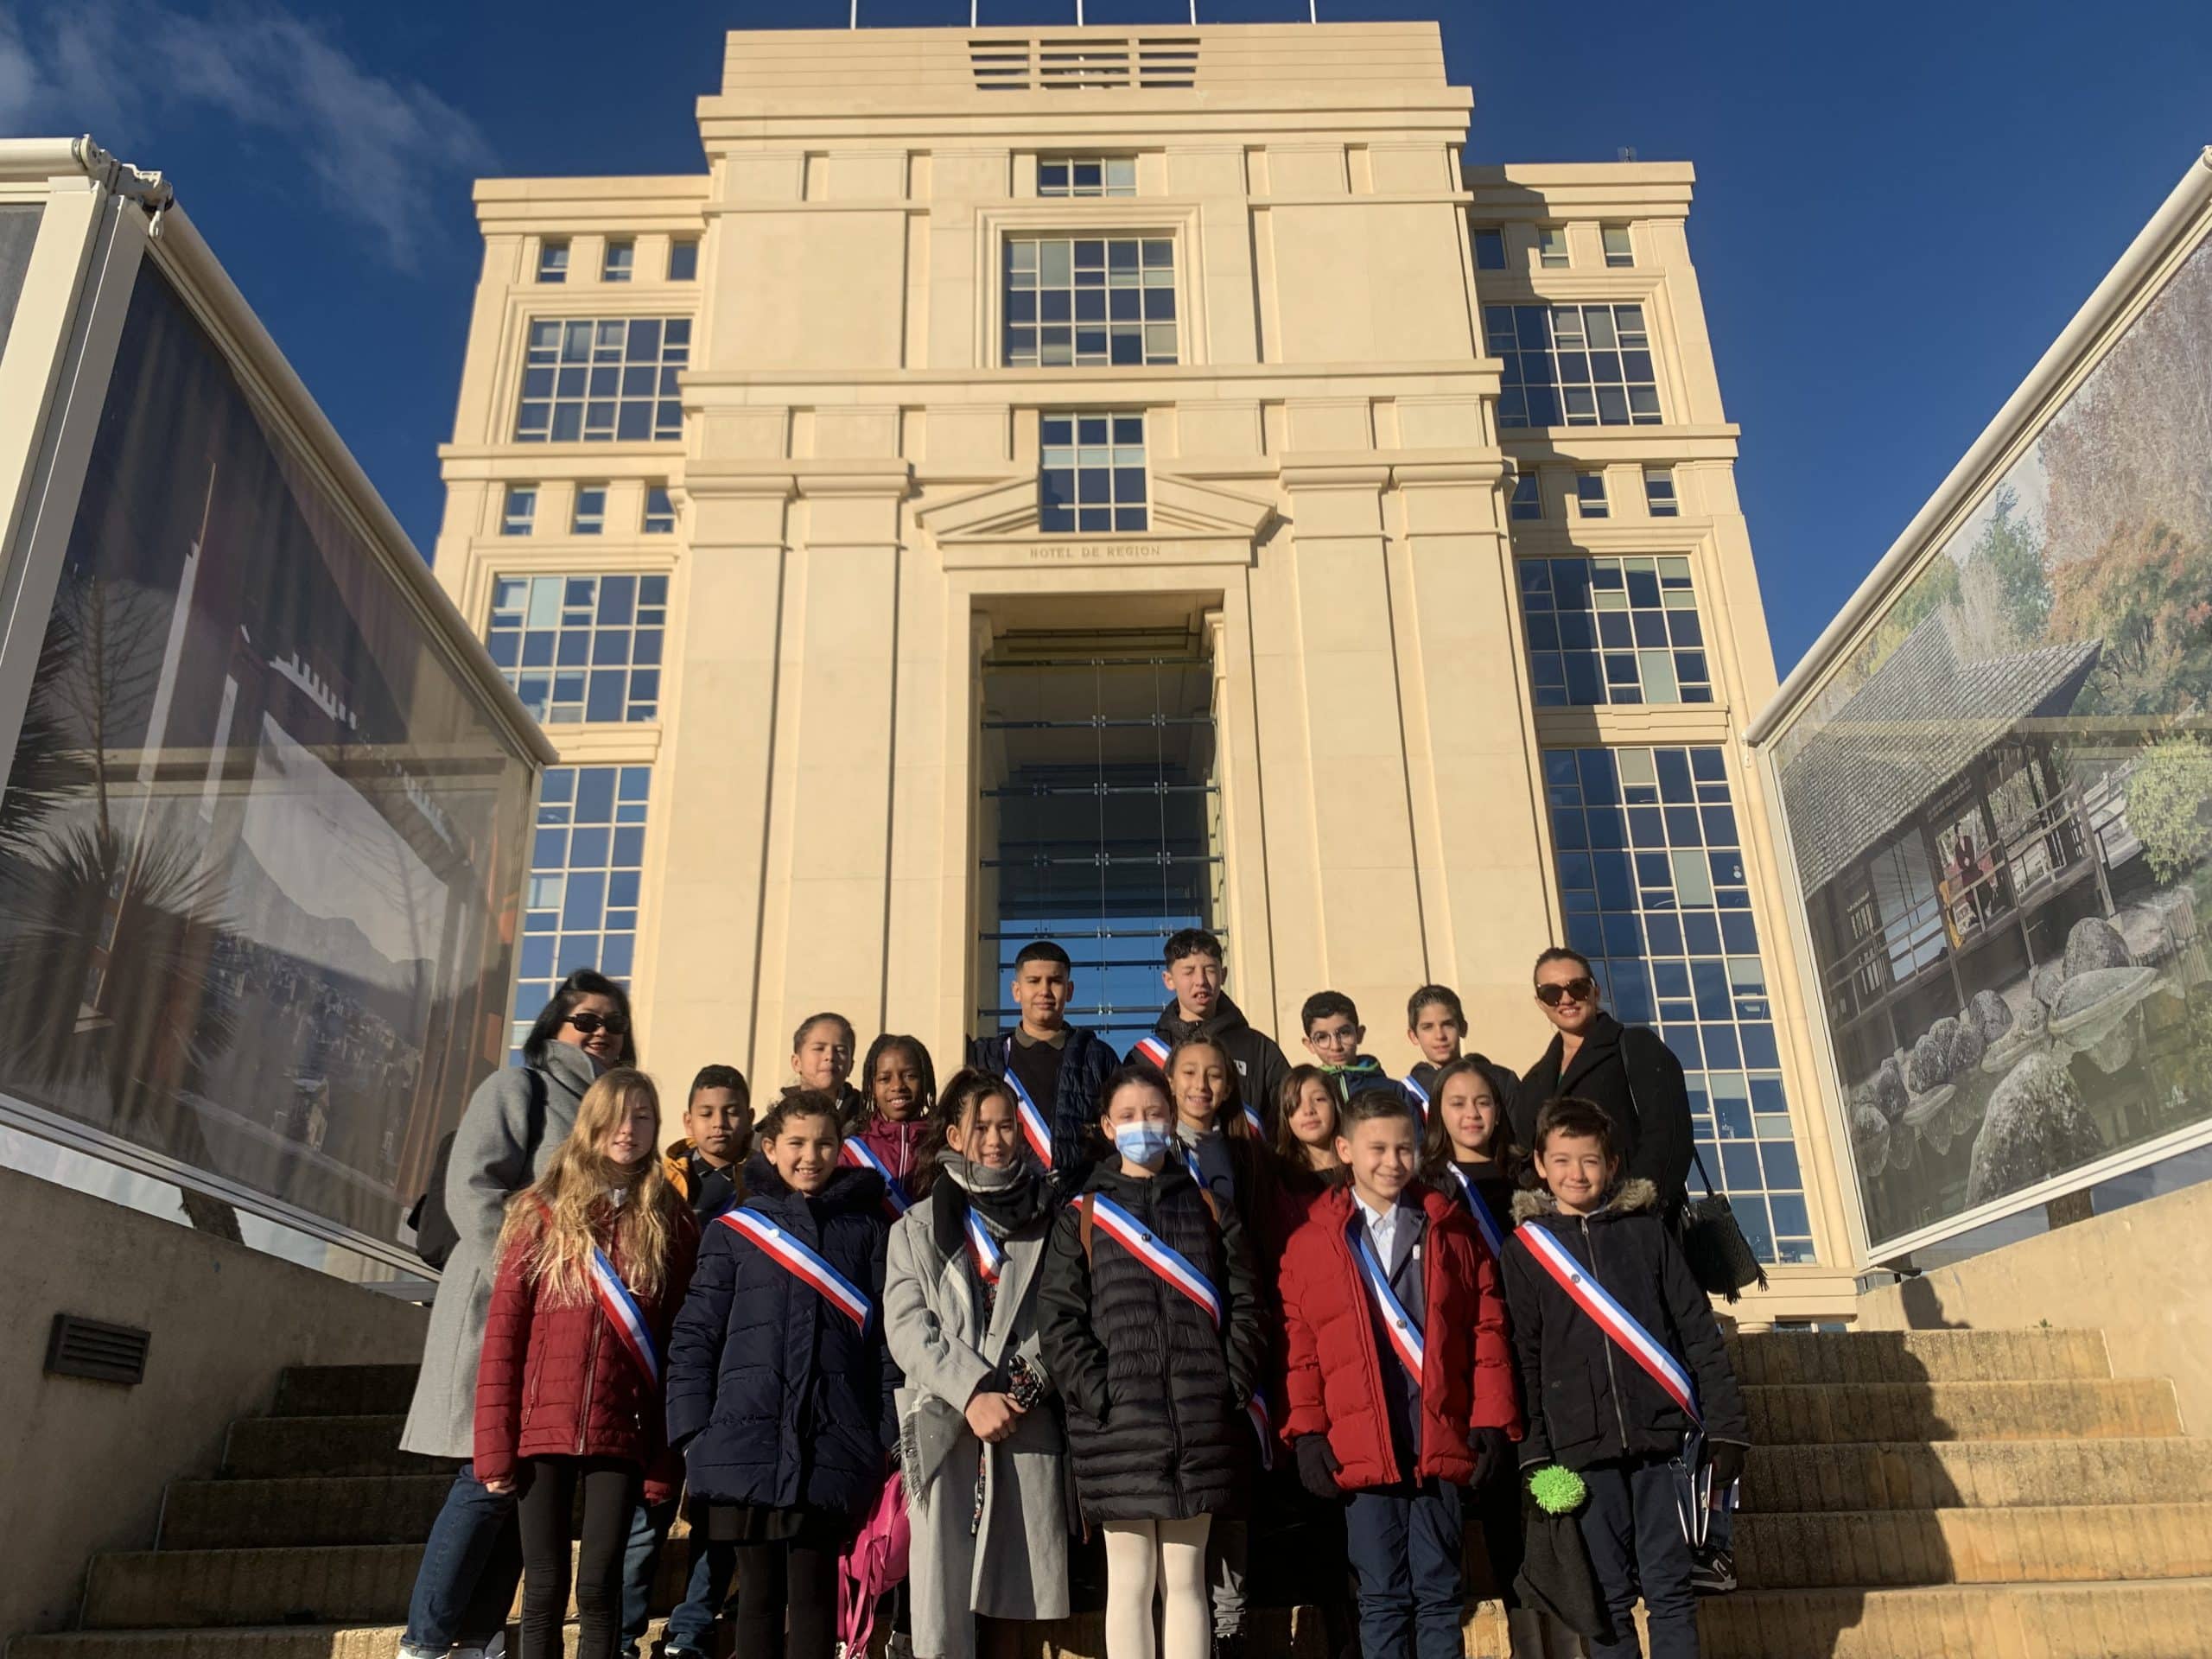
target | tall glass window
[
  {"x": 582, "y": 907},
  {"x": 1091, "y": 475},
  {"x": 1099, "y": 822},
  {"x": 1573, "y": 365},
  {"x": 1623, "y": 630},
  {"x": 1652, "y": 878},
  {"x": 596, "y": 381},
  {"x": 1089, "y": 301},
  {"x": 578, "y": 648}
]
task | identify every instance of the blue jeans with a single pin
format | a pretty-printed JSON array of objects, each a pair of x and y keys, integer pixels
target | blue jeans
[
  {"x": 1404, "y": 1545},
  {"x": 1634, "y": 1534},
  {"x": 691, "y": 1626},
  {"x": 649, "y": 1524},
  {"x": 470, "y": 1563}
]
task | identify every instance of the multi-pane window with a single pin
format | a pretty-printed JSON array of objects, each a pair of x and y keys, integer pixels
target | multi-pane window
[
  {"x": 1490, "y": 247},
  {"x": 520, "y": 511},
  {"x": 619, "y": 263},
  {"x": 598, "y": 380},
  {"x": 589, "y": 516},
  {"x": 1086, "y": 175},
  {"x": 1616, "y": 630},
  {"x": 578, "y": 648},
  {"x": 684, "y": 259},
  {"x": 1551, "y": 246},
  {"x": 1091, "y": 475},
  {"x": 1659, "y": 498},
  {"x": 1619, "y": 251},
  {"x": 1527, "y": 501},
  {"x": 553, "y": 262},
  {"x": 1590, "y": 496},
  {"x": 1573, "y": 365},
  {"x": 586, "y": 865},
  {"x": 1656, "y": 894},
  {"x": 1089, "y": 301},
  {"x": 660, "y": 511}
]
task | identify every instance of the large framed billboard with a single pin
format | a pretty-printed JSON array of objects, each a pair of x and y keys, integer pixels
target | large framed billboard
[{"x": 1998, "y": 787}]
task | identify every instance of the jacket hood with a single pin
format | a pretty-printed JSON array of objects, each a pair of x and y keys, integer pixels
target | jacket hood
[
  {"x": 1629, "y": 1197},
  {"x": 850, "y": 1188},
  {"x": 1226, "y": 1019}
]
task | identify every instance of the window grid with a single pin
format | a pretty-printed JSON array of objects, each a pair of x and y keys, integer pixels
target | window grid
[
  {"x": 589, "y": 516},
  {"x": 1088, "y": 301},
  {"x": 1091, "y": 475},
  {"x": 586, "y": 867},
  {"x": 684, "y": 259},
  {"x": 1590, "y": 496},
  {"x": 581, "y": 648},
  {"x": 1656, "y": 895},
  {"x": 520, "y": 512},
  {"x": 1619, "y": 251},
  {"x": 1613, "y": 630},
  {"x": 1527, "y": 497},
  {"x": 1086, "y": 175},
  {"x": 1573, "y": 365},
  {"x": 1551, "y": 246},
  {"x": 1490, "y": 247},
  {"x": 596, "y": 380},
  {"x": 1659, "y": 498},
  {"x": 660, "y": 511},
  {"x": 553, "y": 262},
  {"x": 620, "y": 263}
]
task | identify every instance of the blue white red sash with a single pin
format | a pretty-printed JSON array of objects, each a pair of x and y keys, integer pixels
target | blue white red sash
[
  {"x": 1405, "y": 1335},
  {"x": 1615, "y": 1321},
  {"x": 1252, "y": 1118},
  {"x": 987, "y": 1254},
  {"x": 1151, "y": 1052},
  {"x": 858, "y": 1153},
  {"x": 1170, "y": 1264},
  {"x": 1263, "y": 1425},
  {"x": 1035, "y": 1128},
  {"x": 625, "y": 1315},
  {"x": 804, "y": 1264},
  {"x": 1485, "y": 1223},
  {"x": 1191, "y": 1163},
  {"x": 1418, "y": 1094}
]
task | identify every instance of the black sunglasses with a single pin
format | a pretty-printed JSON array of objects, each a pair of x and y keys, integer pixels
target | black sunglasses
[
  {"x": 1581, "y": 989},
  {"x": 613, "y": 1024}
]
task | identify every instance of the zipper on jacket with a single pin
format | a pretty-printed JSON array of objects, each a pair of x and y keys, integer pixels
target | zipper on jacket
[
  {"x": 1613, "y": 1381},
  {"x": 591, "y": 1368}
]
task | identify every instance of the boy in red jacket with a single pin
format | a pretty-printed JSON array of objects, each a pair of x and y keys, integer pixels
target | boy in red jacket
[{"x": 1401, "y": 1379}]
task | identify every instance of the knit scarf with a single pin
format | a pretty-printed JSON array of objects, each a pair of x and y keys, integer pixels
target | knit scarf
[{"x": 1006, "y": 1200}]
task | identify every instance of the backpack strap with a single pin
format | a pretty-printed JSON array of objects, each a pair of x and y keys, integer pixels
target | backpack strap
[{"x": 1085, "y": 1221}]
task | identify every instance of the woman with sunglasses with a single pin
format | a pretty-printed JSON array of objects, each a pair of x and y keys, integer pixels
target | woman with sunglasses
[
  {"x": 514, "y": 1123},
  {"x": 1627, "y": 1069}
]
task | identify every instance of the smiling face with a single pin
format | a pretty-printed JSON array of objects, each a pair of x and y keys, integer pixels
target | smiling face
[
  {"x": 1380, "y": 1154},
  {"x": 803, "y": 1151},
  {"x": 824, "y": 1056},
  {"x": 595, "y": 1024},
  {"x": 1576, "y": 1009},
  {"x": 1196, "y": 982},
  {"x": 896, "y": 1087},
  {"x": 1200, "y": 1083},
  {"x": 1438, "y": 1033},
  {"x": 629, "y": 1138},
  {"x": 1470, "y": 1107},
  {"x": 1578, "y": 1169},
  {"x": 1335, "y": 1039},
  {"x": 1313, "y": 1120},
  {"x": 990, "y": 1134}
]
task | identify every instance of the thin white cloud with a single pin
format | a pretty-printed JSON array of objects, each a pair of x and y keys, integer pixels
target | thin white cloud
[{"x": 376, "y": 146}]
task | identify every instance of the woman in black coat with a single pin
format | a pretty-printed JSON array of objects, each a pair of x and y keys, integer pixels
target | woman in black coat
[{"x": 1627, "y": 1069}]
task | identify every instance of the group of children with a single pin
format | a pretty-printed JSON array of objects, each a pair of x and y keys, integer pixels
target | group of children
[{"x": 1229, "y": 1330}]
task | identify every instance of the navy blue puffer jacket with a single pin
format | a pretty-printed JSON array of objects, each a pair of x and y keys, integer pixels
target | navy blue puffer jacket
[{"x": 775, "y": 1397}]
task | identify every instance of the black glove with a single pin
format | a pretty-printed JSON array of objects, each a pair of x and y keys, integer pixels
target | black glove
[
  {"x": 1317, "y": 1465},
  {"x": 1493, "y": 1453},
  {"x": 1728, "y": 1464}
]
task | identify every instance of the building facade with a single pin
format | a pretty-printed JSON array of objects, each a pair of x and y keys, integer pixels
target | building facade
[{"x": 1090, "y": 482}]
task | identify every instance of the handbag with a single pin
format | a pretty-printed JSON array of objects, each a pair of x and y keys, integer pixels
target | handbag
[{"x": 1719, "y": 1256}]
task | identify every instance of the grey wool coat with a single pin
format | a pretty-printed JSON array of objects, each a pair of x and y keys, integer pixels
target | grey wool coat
[
  {"x": 492, "y": 1161},
  {"x": 1015, "y": 1564}
]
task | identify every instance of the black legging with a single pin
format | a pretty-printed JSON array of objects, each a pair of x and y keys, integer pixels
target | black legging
[
  {"x": 611, "y": 1488},
  {"x": 798, "y": 1580}
]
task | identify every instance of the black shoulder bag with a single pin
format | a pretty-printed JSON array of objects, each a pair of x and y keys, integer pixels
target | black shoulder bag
[
  {"x": 436, "y": 1237},
  {"x": 1720, "y": 1258}
]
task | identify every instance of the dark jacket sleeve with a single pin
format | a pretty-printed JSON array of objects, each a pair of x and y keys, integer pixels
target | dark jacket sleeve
[
  {"x": 1246, "y": 1335},
  {"x": 1537, "y": 1085},
  {"x": 664, "y": 1469},
  {"x": 1073, "y": 1352},
  {"x": 1662, "y": 1115},
  {"x": 695, "y": 1342},
  {"x": 1273, "y": 1068},
  {"x": 987, "y": 1055},
  {"x": 1698, "y": 1335},
  {"x": 499, "y": 1372},
  {"x": 1524, "y": 1304},
  {"x": 893, "y": 1378}
]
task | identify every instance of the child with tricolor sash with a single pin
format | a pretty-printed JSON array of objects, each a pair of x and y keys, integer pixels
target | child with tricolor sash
[
  {"x": 1400, "y": 1391},
  {"x": 1436, "y": 1024},
  {"x": 1627, "y": 1381},
  {"x": 898, "y": 1092},
  {"x": 1151, "y": 1334},
  {"x": 984, "y": 1459},
  {"x": 593, "y": 1260},
  {"x": 780, "y": 1381}
]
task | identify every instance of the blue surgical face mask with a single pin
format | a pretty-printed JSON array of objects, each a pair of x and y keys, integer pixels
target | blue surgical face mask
[{"x": 1143, "y": 1143}]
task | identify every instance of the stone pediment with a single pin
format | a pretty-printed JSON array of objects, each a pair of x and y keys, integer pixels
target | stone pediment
[{"x": 1192, "y": 522}]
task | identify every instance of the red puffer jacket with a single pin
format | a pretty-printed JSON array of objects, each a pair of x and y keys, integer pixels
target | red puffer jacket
[
  {"x": 1335, "y": 1384},
  {"x": 558, "y": 1380}
]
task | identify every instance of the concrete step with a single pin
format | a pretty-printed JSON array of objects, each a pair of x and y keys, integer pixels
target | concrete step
[
  {"x": 2026, "y": 1545},
  {"x": 1818, "y": 1414},
  {"x": 348, "y": 1584},
  {"x": 1974, "y": 1474},
  {"x": 274, "y": 1448},
  {"x": 313, "y": 1509},
  {"x": 355, "y": 1390},
  {"x": 247, "y": 1642},
  {"x": 1785, "y": 1356}
]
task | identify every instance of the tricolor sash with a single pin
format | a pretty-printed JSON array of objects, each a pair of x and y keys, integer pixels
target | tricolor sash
[
  {"x": 803, "y": 1264},
  {"x": 1035, "y": 1128},
  {"x": 1418, "y": 1094},
  {"x": 1191, "y": 1163},
  {"x": 625, "y": 1315},
  {"x": 1173, "y": 1267},
  {"x": 984, "y": 1251},
  {"x": 1263, "y": 1426},
  {"x": 858, "y": 1153},
  {"x": 1252, "y": 1118},
  {"x": 1615, "y": 1321},
  {"x": 1485, "y": 1223},
  {"x": 1405, "y": 1335},
  {"x": 1151, "y": 1052}
]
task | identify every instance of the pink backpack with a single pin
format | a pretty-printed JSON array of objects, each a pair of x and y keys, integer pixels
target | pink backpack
[{"x": 873, "y": 1563}]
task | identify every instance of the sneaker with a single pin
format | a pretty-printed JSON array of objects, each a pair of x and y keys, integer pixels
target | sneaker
[
  {"x": 1713, "y": 1571},
  {"x": 409, "y": 1650}
]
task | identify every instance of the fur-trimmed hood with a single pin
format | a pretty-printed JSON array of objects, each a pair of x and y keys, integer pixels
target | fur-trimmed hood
[{"x": 1628, "y": 1197}]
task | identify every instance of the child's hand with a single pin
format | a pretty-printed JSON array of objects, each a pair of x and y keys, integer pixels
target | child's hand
[
  {"x": 1727, "y": 1461},
  {"x": 1317, "y": 1466},
  {"x": 1492, "y": 1450},
  {"x": 992, "y": 1416},
  {"x": 499, "y": 1487}
]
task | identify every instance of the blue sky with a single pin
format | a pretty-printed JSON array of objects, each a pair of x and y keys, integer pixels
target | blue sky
[{"x": 1899, "y": 205}]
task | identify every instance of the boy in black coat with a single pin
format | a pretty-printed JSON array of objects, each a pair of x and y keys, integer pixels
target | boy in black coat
[{"x": 1591, "y": 1406}]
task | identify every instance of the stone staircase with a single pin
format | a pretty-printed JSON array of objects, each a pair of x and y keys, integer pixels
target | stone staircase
[{"x": 1926, "y": 1493}]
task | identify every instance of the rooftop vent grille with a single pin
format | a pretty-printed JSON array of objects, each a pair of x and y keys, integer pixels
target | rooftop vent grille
[
  {"x": 106, "y": 1353},
  {"x": 1045, "y": 64}
]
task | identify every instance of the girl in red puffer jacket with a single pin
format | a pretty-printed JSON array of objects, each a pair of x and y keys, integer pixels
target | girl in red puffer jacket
[
  {"x": 899, "y": 1092},
  {"x": 592, "y": 1264}
]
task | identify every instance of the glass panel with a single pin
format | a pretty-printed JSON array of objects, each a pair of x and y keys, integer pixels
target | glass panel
[
  {"x": 573, "y": 621},
  {"x": 1573, "y": 606},
  {"x": 630, "y": 359},
  {"x": 577, "y": 878},
  {"x": 1083, "y": 282},
  {"x": 1610, "y": 386}
]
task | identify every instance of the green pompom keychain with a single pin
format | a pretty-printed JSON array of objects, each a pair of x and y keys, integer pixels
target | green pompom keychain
[{"x": 1557, "y": 1490}]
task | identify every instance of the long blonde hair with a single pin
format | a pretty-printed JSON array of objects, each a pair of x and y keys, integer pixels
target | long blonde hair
[{"x": 565, "y": 1214}]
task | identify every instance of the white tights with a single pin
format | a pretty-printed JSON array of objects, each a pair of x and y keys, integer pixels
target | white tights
[{"x": 1168, "y": 1557}]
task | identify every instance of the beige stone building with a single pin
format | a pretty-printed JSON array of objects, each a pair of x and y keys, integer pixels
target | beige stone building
[{"x": 1092, "y": 482}]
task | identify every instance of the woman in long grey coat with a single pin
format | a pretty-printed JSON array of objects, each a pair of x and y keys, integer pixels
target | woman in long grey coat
[
  {"x": 515, "y": 1122},
  {"x": 984, "y": 1457}
]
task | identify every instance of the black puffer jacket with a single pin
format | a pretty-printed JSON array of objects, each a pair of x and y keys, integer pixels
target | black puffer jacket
[
  {"x": 1260, "y": 1063},
  {"x": 1631, "y": 1073},
  {"x": 1587, "y": 1401},
  {"x": 774, "y": 1396},
  {"x": 1155, "y": 1393}
]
